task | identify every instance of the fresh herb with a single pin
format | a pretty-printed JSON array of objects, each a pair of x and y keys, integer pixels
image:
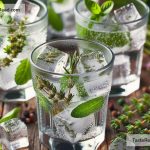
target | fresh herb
[
  {"x": 12, "y": 114},
  {"x": 68, "y": 81},
  {"x": 126, "y": 122},
  {"x": 57, "y": 98},
  {"x": 17, "y": 41},
  {"x": 23, "y": 72},
  {"x": 112, "y": 39},
  {"x": 81, "y": 89},
  {"x": 88, "y": 107},
  {"x": 97, "y": 11},
  {"x": 54, "y": 19},
  {"x": 49, "y": 56},
  {"x": 93, "y": 7},
  {"x": 44, "y": 101},
  {"x": 107, "y": 7}
]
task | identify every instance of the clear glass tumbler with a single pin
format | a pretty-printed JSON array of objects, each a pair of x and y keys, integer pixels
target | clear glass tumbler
[
  {"x": 64, "y": 9},
  {"x": 125, "y": 38},
  {"x": 72, "y": 80},
  {"x": 35, "y": 34}
]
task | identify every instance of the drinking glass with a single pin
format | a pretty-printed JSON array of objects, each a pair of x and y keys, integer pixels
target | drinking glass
[
  {"x": 35, "y": 33},
  {"x": 64, "y": 8},
  {"x": 126, "y": 39},
  {"x": 60, "y": 95}
]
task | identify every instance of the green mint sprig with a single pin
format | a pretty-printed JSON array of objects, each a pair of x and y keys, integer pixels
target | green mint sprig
[{"x": 98, "y": 11}]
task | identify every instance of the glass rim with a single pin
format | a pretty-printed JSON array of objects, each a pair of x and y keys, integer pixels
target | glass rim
[
  {"x": 76, "y": 74},
  {"x": 36, "y": 21},
  {"x": 120, "y": 23}
]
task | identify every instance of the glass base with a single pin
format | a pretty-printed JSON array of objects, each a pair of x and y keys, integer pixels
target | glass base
[
  {"x": 57, "y": 144},
  {"x": 125, "y": 90},
  {"x": 17, "y": 95}
]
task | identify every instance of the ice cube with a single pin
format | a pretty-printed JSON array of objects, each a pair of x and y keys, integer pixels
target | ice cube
[
  {"x": 127, "y": 14},
  {"x": 121, "y": 68},
  {"x": 31, "y": 10},
  {"x": 7, "y": 75},
  {"x": 53, "y": 59},
  {"x": 72, "y": 129},
  {"x": 62, "y": 62},
  {"x": 17, "y": 134},
  {"x": 3, "y": 138},
  {"x": 99, "y": 86},
  {"x": 121, "y": 144},
  {"x": 90, "y": 61},
  {"x": 28, "y": 9}
]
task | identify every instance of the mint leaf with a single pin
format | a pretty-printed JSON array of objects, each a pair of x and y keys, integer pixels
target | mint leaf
[
  {"x": 44, "y": 101},
  {"x": 88, "y": 107},
  {"x": 23, "y": 72},
  {"x": 2, "y": 6},
  {"x": 12, "y": 114},
  {"x": 95, "y": 18},
  {"x": 107, "y": 7},
  {"x": 54, "y": 19},
  {"x": 93, "y": 7}
]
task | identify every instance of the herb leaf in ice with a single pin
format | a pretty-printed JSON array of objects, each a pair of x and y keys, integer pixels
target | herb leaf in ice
[{"x": 88, "y": 107}]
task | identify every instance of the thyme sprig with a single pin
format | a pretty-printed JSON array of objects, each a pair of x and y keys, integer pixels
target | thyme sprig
[
  {"x": 17, "y": 41},
  {"x": 58, "y": 98},
  {"x": 126, "y": 121}
]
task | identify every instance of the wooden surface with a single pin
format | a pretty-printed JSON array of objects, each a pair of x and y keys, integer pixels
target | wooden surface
[{"x": 32, "y": 127}]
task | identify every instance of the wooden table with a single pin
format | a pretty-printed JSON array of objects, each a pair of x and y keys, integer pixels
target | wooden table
[{"x": 32, "y": 127}]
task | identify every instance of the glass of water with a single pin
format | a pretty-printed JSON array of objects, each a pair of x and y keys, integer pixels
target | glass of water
[
  {"x": 72, "y": 80},
  {"x": 65, "y": 27},
  {"x": 24, "y": 39},
  {"x": 124, "y": 31}
]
